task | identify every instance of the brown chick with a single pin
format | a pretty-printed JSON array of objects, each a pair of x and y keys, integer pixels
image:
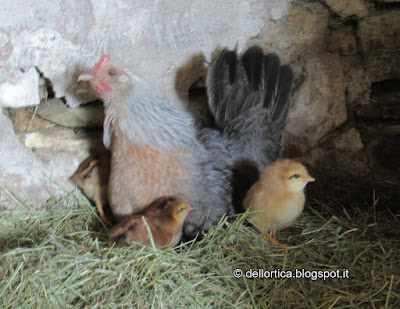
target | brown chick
[
  {"x": 92, "y": 178},
  {"x": 164, "y": 216},
  {"x": 277, "y": 198}
]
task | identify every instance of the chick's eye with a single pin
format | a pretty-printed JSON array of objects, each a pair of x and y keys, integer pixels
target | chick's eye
[
  {"x": 181, "y": 209},
  {"x": 112, "y": 72},
  {"x": 295, "y": 176}
]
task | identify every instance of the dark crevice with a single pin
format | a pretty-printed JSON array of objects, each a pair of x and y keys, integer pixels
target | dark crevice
[
  {"x": 198, "y": 105},
  {"x": 49, "y": 85},
  {"x": 384, "y": 5},
  {"x": 384, "y": 104}
]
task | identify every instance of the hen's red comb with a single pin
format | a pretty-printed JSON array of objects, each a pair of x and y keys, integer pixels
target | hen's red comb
[{"x": 104, "y": 60}]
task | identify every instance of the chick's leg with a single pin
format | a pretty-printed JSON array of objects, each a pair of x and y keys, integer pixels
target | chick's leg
[
  {"x": 99, "y": 205},
  {"x": 272, "y": 240},
  {"x": 103, "y": 217}
]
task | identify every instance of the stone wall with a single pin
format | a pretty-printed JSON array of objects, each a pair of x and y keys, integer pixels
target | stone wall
[
  {"x": 344, "y": 55},
  {"x": 349, "y": 84}
]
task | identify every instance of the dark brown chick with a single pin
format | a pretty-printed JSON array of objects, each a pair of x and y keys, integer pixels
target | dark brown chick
[
  {"x": 164, "y": 217},
  {"x": 92, "y": 178}
]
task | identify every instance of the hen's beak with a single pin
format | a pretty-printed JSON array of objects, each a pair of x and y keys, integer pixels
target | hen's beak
[{"x": 85, "y": 77}]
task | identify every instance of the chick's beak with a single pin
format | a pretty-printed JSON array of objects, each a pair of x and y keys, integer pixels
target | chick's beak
[
  {"x": 311, "y": 179},
  {"x": 191, "y": 207}
]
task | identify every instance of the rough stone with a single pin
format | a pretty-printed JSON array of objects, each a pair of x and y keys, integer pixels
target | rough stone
[
  {"x": 358, "y": 83},
  {"x": 278, "y": 13},
  {"x": 384, "y": 102},
  {"x": 349, "y": 141},
  {"x": 345, "y": 8},
  {"x": 301, "y": 32},
  {"x": 379, "y": 38},
  {"x": 383, "y": 148},
  {"x": 21, "y": 89},
  {"x": 380, "y": 33},
  {"x": 85, "y": 116},
  {"x": 41, "y": 168},
  {"x": 25, "y": 121},
  {"x": 59, "y": 139},
  {"x": 343, "y": 41},
  {"x": 319, "y": 105},
  {"x": 20, "y": 170}
]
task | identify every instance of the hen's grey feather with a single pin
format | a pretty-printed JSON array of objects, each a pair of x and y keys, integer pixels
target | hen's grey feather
[
  {"x": 212, "y": 195},
  {"x": 249, "y": 100}
]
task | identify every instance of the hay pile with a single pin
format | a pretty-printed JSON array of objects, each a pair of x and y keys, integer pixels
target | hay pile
[{"x": 55, "y": 257}]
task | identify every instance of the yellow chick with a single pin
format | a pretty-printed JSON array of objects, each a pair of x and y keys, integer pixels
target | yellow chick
[
  {"x": 277, "y": 199},
  {"x": 164, "y": 217}
]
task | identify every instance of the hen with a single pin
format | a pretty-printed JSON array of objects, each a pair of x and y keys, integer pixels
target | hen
[{"x": 157, "y": 150}]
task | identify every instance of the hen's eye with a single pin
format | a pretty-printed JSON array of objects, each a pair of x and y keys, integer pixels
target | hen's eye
[{"x": 111, "y": 72}]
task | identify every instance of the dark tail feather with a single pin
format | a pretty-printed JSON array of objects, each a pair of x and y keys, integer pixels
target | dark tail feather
[
  {"x": 252, "y": 61},
  {"x": 278, "y": 111},
  {"x": 249, "y": 100},
  {"x": 222, "y": 74},
  {"x": 281, "y": 108},
  {"x": 271, "y": 75}
]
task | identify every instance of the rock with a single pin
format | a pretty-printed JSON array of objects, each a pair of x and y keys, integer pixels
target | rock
[
  {"x": 345, "y": 8},
  {"x": 43, "y": 92},
  {"x": 380, "y": 34},
  {"x": 358, "y": 83},
  {"x": 376, "y": 111},
  {"x": 391, "y": 130},
  {"x": 387, "y": 153},
  {"x": 277, "y": 13},
  {"x": 384, "y": 152},
  {"x": 384, "y": 102},
  {"x": 319, "y": 105},
  {"x": 349, "y": 141},
  {"x": 302, "y": 31},
  {"x": 340, "y": 164},
  {"x": 25, "y": 121},
  {"x": 20, "y": 171},
  {"x": 339, "y": 174},
  {"x": 21, "y": 89},
  {"x": 343, "y": 41},
  {"x": 36, "y": 173},
  {"x": 86, "y": 116},
  {"x": 60, "y": 139},
  {"x": 5, "y": 46}
]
